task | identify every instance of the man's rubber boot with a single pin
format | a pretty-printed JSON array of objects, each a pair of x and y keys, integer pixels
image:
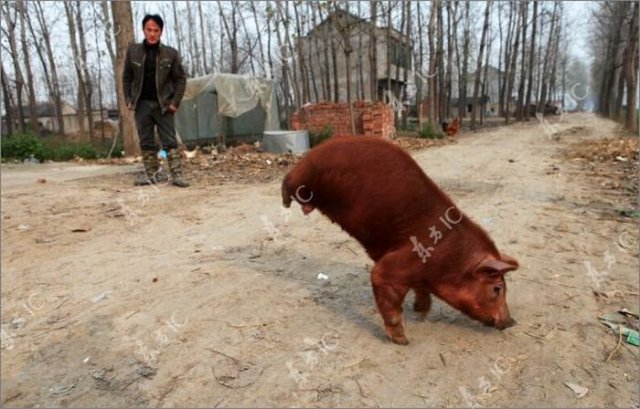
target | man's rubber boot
[
  {"x": 151, "y": 166},
  {"x": 175, "y": 167}
]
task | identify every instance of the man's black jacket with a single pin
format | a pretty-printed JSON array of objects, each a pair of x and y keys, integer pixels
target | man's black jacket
[{"x": 170, "y": 76}]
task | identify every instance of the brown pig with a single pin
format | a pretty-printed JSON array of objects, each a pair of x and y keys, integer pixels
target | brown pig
[{"x": 411, "y": 229}]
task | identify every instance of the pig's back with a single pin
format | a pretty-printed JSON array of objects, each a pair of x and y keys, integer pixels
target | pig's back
[{"x": 374, "y": 190}]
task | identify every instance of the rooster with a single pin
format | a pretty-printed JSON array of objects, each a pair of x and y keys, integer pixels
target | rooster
[{"x": 451, "y": 128}]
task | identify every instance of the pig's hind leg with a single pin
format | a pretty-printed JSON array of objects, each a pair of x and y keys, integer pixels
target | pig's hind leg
[
  {"x": 422, "y": 303},
  {"x": 389, "y": 297}
]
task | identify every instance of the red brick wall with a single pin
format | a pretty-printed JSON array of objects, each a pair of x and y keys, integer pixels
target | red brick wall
[{"x": 374, "y": 119}]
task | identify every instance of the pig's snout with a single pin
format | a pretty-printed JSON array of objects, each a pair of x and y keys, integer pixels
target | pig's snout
[{"x": 509, "y": 322}]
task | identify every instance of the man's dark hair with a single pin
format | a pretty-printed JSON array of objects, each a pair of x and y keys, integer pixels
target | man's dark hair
[{"x": 156, "y": 18}]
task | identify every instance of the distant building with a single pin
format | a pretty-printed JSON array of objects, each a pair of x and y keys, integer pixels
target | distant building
[
  {"x": 489, "y": 99},
  {"x": 317, "y": 52},
  {"x": 46, "y": 114}
]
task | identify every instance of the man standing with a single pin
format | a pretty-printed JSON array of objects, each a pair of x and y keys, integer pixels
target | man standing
[{"x": 154, "y": 82}]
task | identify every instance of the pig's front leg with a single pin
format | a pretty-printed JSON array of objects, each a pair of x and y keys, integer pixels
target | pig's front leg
[
  {"x": 389, "y": 297},
  {"x": 422, "y": 303}
]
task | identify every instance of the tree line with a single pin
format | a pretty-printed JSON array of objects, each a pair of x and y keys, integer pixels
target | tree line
[{"x": 73, "y": 51}]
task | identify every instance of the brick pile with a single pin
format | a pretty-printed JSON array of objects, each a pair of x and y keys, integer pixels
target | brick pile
[{"x": 373, "y": 119}]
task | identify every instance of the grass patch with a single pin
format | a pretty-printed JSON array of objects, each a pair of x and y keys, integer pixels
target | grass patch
[{"x": 428, "y": 131}]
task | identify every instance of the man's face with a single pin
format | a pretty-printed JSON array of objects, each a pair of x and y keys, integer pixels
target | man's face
[{"x": 152, "y": 32}]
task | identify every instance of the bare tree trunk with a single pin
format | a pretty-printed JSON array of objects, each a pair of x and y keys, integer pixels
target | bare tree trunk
[
  {"x": 614, "y": 64},
  {"x": 263, "y": 62},
  {"x": 232, "y": 34},
  {"x": 285, "y": 64},
  {"x": 222, "y": 40},
  {"x": 123, "y": 33},
  {"x": 96, "y": 18},
  {"x": 327, "y": 69},
  {"x": 500, "y": 48},
  {"x": 10, "y": 34},
  {"x": 291, "y": 53},
  {"x": 523, "y": 66},
  {"x": 539, "y": 64},
  {"x": 389, "y": 28},
  {"x": 249, "y": 52},
  {"x": 360, "y": 68},
  {"x": 320, "y": 66},
  {"x": 507, "y": 63},
  {"x": 485, "y": 82},
  {"x": 631, "y": 70},
  {"x": 33, "y": 117},
  {"x": 55, "y": 83},
  {"x": 419, "y": 81},
  {"x": 448, "y": 75},
  {"x": 622, "y": 77},
  {"x": 457, "y": 52},
  {"x": 193, "y": 42},
  {"x": 43, "y": 62},
  {"x": 441, "y": 95},
  {"x": 373, "y": 50},
  {"x": 532, "y": 48},
  {"x": 86, "y": 77},
  {"x": 620, "y": 67},
  {"x": 108, "y": 40},
  {"x": 552, "y": 81},
  {"x": 334, "y": 62},
  {"x": 270, "y": 17},
  {"x": 206, "y": 68},
  {"x": 512, "y": 70},
  {"x": 407, "y": 64},
  {"x": 304, "y": 77},
  {"x": 476, "y": 86},
  {"x": 77, "y": 64},
  {"x": 396, "y": 88},
  {"x": 545, "y": 68},
  {"x": 10, "y": 108},
  {"x": 293, "y": 72},
  {"x": 176, "y": 27},
  {"x": 317, "y": 64},
  {"x": 462, "y": 83},
  {"x": 432, "y": 92},
  {"x": 346, "y": 37}
]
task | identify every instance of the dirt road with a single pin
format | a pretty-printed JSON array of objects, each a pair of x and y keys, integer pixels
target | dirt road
[{"x": 210, "y": 296}]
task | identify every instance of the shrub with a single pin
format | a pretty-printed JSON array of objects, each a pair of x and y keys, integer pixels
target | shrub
[
  {"x": 430, "y": 132},
  {"x": 21, "y": 146},
  {"x": 317, "y": 137},
  {"x": 68, "y": 151}
]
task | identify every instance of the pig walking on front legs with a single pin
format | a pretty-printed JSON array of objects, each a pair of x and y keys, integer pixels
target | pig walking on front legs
[{"x": 411, "y": 229}]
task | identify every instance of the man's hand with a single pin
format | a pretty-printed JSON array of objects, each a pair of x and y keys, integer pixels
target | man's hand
[
  {"x": 172, "y": 109},
  {"x": 130, "y": 106}
]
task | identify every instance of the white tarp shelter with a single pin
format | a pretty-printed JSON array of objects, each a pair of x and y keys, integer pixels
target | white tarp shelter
[{"x": 229, "y": 104}]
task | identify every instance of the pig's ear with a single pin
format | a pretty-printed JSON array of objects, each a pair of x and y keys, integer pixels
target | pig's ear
[
  {"x": 494, "y": 268},
  {"x": 510, "y": 260}
]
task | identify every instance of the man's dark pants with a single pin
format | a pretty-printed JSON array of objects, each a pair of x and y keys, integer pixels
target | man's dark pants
[{"x": 148, "y": 115}]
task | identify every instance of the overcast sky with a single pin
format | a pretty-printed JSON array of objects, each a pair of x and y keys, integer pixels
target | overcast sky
[{"x": 578, "y": 17}]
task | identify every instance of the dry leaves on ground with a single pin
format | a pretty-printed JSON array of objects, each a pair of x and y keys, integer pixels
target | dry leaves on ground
[{"x": 613, "y": 159}]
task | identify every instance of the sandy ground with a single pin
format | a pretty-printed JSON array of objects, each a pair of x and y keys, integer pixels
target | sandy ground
[{"x": 210, "y": 296}]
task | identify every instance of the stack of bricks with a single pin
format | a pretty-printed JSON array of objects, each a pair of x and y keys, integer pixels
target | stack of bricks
[
  {"x": 378, "y": 121},
  {"x": 374, "y": 119}
]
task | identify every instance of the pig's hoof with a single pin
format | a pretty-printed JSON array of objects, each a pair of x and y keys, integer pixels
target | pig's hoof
[{"x": 402, "y": 340}]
